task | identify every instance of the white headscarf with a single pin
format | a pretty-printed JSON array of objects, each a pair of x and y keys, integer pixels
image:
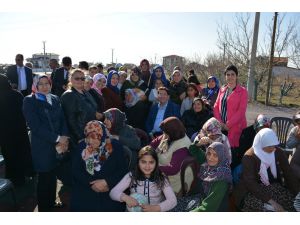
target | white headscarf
[{"x": 264, "y": 138}]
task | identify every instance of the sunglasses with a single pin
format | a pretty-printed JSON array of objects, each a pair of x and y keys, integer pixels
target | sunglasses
[{"x": 79, "y": 78}]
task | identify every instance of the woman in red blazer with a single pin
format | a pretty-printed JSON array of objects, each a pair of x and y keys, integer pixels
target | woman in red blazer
[{"x": 230, "y": 109}]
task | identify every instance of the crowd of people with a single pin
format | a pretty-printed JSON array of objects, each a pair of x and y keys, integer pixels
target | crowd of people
[{"x": 119, "y": 140}]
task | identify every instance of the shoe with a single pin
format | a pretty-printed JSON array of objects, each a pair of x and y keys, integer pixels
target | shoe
[{"x": 58, "y": 205}]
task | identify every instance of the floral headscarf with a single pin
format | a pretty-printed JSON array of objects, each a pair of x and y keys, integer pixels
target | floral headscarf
[
  {"x": 211, "y": 127},
  {"x": 134, "y": 100},
  {"x": 97, "y": 77},
  {"x": 117, "y": 119},
  {"x": 220, "y": 172},
  {"x": 98, "y": 146}
]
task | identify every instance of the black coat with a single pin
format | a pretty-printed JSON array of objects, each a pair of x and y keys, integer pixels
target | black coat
[
  {"x": 14, "y": 141},
  {"x": 176, "y": 90},
  {"x": 194, "y": 122},
  {"x": 83, "y": 198},
  {"x": 12, "y": 75},
  {"x": 79, "y": 109},
  {"x": 137, "y": 114},
  {"x": 58, "y": 81}
]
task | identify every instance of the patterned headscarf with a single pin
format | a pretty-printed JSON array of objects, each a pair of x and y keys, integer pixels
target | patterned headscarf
[
  {"x": 97, "y": 77},
  {"x": 108, "y": 82},
  {"x": 117, "y": 119},
  {"x": 211, "y": 127},
  {"x": 220, "y": 172},
  {"x": 135, "y": 98},
  {"x": 95, "y": 157},
  {"x": 264, "y": 138}
]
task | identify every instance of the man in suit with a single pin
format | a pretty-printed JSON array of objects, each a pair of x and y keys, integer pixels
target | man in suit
[
  {"x": 160, "y": 111},
  {"x": 53, "y": 64},
  {"x": 20, "y": 76},
  {"x": 61, "y": 77}
]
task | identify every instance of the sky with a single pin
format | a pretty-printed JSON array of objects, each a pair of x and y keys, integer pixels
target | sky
[{"x": 91, "y": 36}]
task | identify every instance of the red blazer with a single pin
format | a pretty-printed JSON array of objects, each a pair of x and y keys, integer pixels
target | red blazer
[{"x": 236, "y": 112}]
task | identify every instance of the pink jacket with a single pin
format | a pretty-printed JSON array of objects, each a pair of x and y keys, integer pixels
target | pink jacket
[{"x": 236, "y": 112}]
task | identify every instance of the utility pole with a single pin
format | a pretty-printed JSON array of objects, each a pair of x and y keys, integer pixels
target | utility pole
[
  {"x": 44, "y": 63},
  {"x": 251, "y": 72},
  {"x": 112, "y": 56},
  {"x": 271, "y": 60}
]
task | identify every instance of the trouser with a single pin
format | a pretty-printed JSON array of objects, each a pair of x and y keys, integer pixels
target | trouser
[{"x": 46, "y": 190}]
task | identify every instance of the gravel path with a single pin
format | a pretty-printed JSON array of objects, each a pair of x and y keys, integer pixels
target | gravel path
[{"x": 253, "y": 109}]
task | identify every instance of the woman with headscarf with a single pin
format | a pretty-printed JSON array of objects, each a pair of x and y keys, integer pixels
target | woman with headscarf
[
  {"x": 177, "y": 87},
  {"x": 194, "y": 118},
  {"x": 215, "y": 177},
  {"x": 267, "y": 182},
  {"x": 88, "y": 86},
  {"x": 230, "y": 109},
  {"x": 14, "y": 141},
  {"x": 158, "y": 73},
  {"x": 133, "y": 104},
  {"x": 115, "y": 122},
  {"x": 210, "y": 93},
  {"x": 111, "y": 92},
  {"x": 98, "y": 165},
  {"x": 99, "y": 82},
  {"x": 134, "y": 82},
  {"x": 145, "y": 71},
  {"x": 49, "y": 139},
  {"x": 211, "y": 132},
  {"x": 172, "y": 148}
]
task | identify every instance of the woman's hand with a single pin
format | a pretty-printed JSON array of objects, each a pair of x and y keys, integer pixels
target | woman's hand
[
  {"x": 276, "y": 206},
  {"x": 99, "y": 116},
  {"x": 204, "y": 141},
  {"x": 130, "y": 201},
  {"x": 182, "y": 96},
  {"x": 99, "y": 185},
  {"x": 150, "y": 208}
]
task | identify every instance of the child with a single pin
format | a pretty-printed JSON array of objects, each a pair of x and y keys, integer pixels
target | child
[
  {"x": 146, "y": 180},
  {"x": 153, "y": 94},
  {"x": 187, "y": 102}
]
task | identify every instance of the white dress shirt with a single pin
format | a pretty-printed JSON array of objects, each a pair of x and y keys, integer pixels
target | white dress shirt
[{"x": 22, "y": 83}]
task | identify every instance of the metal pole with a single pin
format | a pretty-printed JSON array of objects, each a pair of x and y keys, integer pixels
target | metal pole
[
  {"x": 251, "y": 72},
  {"x": 271, "y": 59},
  {"x": 112, "y": 56},
  {"x": 44, "y": 63}
]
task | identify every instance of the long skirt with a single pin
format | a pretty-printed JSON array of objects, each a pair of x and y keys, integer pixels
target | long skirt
[{"x": 279, "y": 194}]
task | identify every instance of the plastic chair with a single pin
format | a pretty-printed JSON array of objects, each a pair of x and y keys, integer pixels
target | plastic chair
[
  {"x": 189, "y": 161},
  {"x": 282, "y": 127},
  {"x": 7, "y": 186}
]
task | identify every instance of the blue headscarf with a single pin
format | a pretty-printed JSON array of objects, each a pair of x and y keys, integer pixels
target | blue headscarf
[
  {"x": 209, "y": 92},
  {"x": 108, "y": 82},
  {"x": 163, "y": 77}
]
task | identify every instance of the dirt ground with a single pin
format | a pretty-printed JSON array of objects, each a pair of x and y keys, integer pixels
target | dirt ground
[{"x": 253, "y": 109}]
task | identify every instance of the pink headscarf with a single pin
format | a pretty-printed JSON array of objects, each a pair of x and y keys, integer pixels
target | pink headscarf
[{"x": 97, "y": 77}]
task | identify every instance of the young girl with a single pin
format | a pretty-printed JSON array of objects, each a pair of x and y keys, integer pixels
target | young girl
[
  {"x": 146, "y": 180},
  {"x": 154, "y": 94},
  {"x": 187, "y": 102}
]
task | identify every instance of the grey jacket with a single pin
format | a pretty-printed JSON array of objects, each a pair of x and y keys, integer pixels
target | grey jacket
[{"x": 294, "y": 142}]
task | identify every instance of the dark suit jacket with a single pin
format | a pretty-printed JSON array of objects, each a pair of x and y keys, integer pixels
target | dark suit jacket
[
  {"x": 171, "y": 110},
  {"x": 12, "y": 75},
  {"x": 58, "y": 81}
]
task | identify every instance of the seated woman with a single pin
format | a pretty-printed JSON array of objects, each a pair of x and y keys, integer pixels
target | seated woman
[
  {"x": 212, "y": 132},
  {"x": 177, "y": 87},
  {"x": 133, "y": 104},
  {"x": 98, "y": 165},
  {"x": 194, "y": 118},
  {"x": 215, "y": 177},
  {"x": 148, "y": 181},
  {"x": 111, "y": 92},
  {"x": 267, "y": 182},
  {"x": 172, "y": 149},
  {"x": 293, "y": 141},
  {"x": 210, "y": 93}
]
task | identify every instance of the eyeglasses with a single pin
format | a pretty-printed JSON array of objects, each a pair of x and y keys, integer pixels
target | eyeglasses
[
  {"x": 79, "y": 78},
  {"x": 43, "y": 84}
]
